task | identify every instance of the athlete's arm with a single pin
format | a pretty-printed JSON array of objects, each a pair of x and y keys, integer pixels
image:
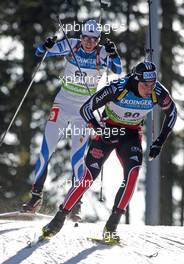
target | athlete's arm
[
  {"x": 60, "y": 48},
  {"x": 113, "y": 61},
  {"x": 99, "y": 99},
  {"x": 168, "y": 106},
  {"x": 115, "y": 64}
]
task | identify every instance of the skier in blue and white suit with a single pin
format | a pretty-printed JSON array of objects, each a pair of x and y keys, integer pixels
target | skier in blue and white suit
[{"x": 92, "y": 59}]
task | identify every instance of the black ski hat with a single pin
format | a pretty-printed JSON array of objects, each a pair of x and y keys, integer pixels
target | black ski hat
[{"x": 145, "y": 72}]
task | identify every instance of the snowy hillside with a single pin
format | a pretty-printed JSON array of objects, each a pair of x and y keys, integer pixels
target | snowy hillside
[{"x": 71, "y": 245}]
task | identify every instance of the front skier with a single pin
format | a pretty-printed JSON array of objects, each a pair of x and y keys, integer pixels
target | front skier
[
  {"x": 92, "y": 59},
  {"x": 127, "y": 102}
]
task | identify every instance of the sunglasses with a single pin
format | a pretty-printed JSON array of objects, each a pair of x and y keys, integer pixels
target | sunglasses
[{"x": 87, "y": 38}]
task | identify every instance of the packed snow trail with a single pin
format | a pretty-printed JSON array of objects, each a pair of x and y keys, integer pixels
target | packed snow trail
[{"x": 71, "y": 245}]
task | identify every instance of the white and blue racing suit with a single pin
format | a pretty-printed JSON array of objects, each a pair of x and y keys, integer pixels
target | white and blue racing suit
[{"x": 68, "y": 101}]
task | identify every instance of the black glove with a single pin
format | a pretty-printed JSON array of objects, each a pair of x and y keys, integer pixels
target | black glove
[
  {"x": 49, "y": 43},
  {"x": 155, "y": 149},
  {"x": 110, "y": 47}
]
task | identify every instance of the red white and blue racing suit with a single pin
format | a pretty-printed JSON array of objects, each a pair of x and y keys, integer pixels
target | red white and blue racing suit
[{"x": 124, "y": 113}]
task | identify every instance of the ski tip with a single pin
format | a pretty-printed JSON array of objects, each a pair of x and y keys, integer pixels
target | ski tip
[
  {"x": 29, "y": 243},
  {"x": 39, "y": 240},
  {"x": 102, "y": 241}
]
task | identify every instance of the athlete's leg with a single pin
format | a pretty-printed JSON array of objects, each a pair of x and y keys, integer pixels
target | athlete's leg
[
  {"x": 54, "y": 131},
  {"x": 97, "y": 154},
  {"x": 130, "y": 156},
  {"x": 80, "y": 136},
  {"x": 129, "y": 152}
]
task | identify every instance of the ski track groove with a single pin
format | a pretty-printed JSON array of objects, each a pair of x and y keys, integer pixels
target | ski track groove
[{"x": 166, "y": 241}]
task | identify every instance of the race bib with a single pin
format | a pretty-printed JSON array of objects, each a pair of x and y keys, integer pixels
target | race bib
[{"x": 54, "y": 114}]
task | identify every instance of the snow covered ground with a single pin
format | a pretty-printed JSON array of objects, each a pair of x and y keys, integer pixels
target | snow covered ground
[{"x": 71, "y": 246}]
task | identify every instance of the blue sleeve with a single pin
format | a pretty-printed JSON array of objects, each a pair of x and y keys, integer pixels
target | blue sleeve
[
  {"x": 61, "y": 48},
  {"x": 115, "y": 64},
  {"x": 39, "y": 51}
]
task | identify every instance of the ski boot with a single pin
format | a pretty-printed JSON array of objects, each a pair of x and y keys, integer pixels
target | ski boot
[
  {"x": 75, "y": 212},
  {"x": 109, "y": 233},
  {"x": 52, "y": 228},
  {"x": 34, "y": 204}
]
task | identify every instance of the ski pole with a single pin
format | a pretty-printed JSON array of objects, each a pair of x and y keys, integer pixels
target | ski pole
[
  {"x": 27, "y": 91},
  {"x": 150, "y": 51},
  {"x": 103, "y": 3},
  {"x": 102, "y": 170},
  {"x": 150, "y": 58},
  {"x": 101, "y": 199}
]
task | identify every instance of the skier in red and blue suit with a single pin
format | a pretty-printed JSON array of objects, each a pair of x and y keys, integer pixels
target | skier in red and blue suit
[{"x": 127, "y": 102}]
